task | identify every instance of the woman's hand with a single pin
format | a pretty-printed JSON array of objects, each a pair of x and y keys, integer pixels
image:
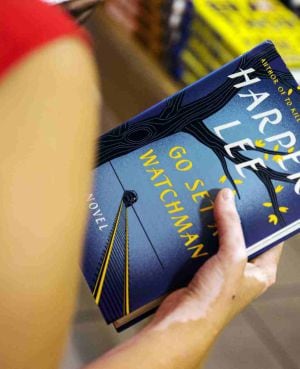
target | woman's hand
[
  {"x": 226, "y": 283},
  {"x": 190, "y": 319},
  {"x": 80, "y": 9}
]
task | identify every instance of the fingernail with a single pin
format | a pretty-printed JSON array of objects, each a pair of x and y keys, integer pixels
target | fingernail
[{"x": 227, "y": 194}]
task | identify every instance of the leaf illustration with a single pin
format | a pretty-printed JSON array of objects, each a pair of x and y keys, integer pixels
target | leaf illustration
[
  {"x": 291, "y": 149},
  {"x": 290, "y": 91},
  {"x": 276, "y": 148},
  {"x": 222, "y": 179},
  {"x": 279, "y": 188},
  {"x": 277, "y": 158},
  {"x": 266, "y": 156},
  {"x": 238, "y": 181},
  {"x": 273, "y": 219},
  {"x": 267, "y": 204},
  {"x": 260, "y": 143},
  {"x": 283, "y": 209}
]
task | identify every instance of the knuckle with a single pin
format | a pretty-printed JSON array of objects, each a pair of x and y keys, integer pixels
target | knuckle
[
  {"x": 234, "y": 251},
  {"x": 238, "y": 256}
]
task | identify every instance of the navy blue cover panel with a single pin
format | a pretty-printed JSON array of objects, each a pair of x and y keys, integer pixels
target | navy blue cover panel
[{"x": 151, "y": 210}]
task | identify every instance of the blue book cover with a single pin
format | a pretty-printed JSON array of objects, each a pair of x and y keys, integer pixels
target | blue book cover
[{"x": 151, "y": 222}]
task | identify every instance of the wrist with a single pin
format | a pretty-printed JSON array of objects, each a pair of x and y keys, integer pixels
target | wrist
[
  {"x": 180, "y": 343},
  {"x": 186, "y": 309},
  {"x": 182, "y": 321}
]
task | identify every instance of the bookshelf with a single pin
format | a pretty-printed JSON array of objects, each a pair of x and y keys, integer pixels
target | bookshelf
[{"x": 131, "y": 79}]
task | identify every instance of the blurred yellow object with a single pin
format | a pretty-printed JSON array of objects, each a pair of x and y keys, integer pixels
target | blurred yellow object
[{"x": 240, "y": 25}]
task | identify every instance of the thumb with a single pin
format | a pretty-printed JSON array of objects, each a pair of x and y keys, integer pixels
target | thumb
[{"x": 232, "y": 249}]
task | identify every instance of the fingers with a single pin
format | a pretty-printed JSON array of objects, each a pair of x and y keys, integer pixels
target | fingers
[{"x": 231, "y": 239}]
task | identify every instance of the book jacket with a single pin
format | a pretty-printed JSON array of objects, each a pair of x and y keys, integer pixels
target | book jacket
[{"x": 156, "y": 177}]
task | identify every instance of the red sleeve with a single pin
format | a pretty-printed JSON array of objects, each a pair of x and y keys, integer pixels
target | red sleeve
[{"x": 28, "y": 24}]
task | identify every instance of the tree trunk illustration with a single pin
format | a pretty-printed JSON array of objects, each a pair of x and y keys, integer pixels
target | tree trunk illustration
[{"x": 176, "y": 117}]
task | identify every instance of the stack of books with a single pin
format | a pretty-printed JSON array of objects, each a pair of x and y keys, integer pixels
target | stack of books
[
  {"x": 194, "y": 37},
  {"x": 221, "y": 30},
  {"x": 162, "y": 26}
]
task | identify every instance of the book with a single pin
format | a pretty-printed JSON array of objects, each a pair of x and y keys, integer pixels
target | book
[
  {"x": 254, "y": 20},
  {"x": 156, "y": 177},
  {"x": 223, "y": 29},
  {"x": 191, "y": 37}
]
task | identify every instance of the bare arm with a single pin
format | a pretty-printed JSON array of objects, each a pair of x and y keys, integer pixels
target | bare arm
[
  {"x": 49, "y": 114},
  {"x": 190, "y": 320}
]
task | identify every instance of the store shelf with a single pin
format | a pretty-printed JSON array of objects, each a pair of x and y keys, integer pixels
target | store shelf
[{"x": 131, "y": 80}]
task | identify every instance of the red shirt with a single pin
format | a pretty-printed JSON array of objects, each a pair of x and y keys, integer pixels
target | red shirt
[{"x": 28, "y": 24}]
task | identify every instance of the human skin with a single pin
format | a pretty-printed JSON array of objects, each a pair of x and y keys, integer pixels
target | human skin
[
  {"x": 190, "y": 319},
  {"x": 49, "y": 119}
]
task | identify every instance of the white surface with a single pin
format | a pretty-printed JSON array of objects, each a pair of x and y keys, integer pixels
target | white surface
[{"x": 296, "y": 74}]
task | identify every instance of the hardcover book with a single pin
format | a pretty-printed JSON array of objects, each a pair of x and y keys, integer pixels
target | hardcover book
[
  {"x": 151, "y": 223},
  {"x": 221, "y": 30},
  {"x": 243, "y": 23}
]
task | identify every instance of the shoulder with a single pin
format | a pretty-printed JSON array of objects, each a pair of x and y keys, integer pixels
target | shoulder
[
  {"x": 29, "y": 25},
  {"x": 45, "y": 78}
]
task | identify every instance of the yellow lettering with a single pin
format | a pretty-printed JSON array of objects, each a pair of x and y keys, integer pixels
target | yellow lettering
[
  {"x": 184, "y": 165},
  {"x": 207, "y": 208},
  {"x": 176, "y": 152},
  {"x": 201, "y": 194},
  {"x": 197, "y": 253},
  {"x": 169, "y": 196},
  {"x": 156, "y": 173},
  {"x": 165, "y": 192},
  {"x": 167, "y": 181},
  {"x": 176, "y": 207},
  {"x": 180, "y": 223},
  {"x": 195, "y": 185},
  {"x": 190, "y": 238},
  {"x": 150, "y": 159}
]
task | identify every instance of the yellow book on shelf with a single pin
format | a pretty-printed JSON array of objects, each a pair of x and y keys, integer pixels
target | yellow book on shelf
[{"x": 244, "y": 23}]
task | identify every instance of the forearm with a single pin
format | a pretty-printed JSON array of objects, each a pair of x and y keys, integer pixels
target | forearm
[{"x": 179, "y": 346}]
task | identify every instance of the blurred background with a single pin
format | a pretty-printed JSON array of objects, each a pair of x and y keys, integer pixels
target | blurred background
[{"x": 147, "y": 50}]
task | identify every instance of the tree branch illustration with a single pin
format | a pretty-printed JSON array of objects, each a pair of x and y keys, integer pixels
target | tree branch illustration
[{"x": 177, "y": 117}]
